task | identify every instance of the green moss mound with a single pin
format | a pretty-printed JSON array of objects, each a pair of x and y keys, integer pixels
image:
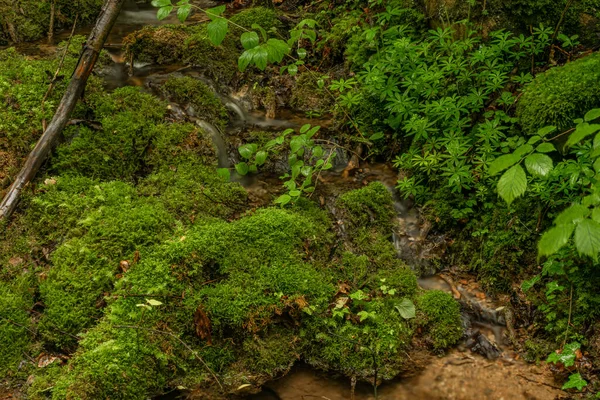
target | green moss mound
[
  {"x": 560, "y": 95},
  {"x": 262, "y": 16},
  {"x": 441, "y": 318},
  {"x": 192, "y": 92}
]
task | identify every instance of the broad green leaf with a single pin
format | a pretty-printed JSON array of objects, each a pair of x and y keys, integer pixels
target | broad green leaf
[
  {"x": 406, "y": 308},
  {"x": 283, "y": 199},
  {"x": 247, "y": 150},
  {"x": 597, "y": 141},
  {"x": 292, "y": 69},
  {"x": 213, "y": 13},
  {"x": 575, "y": 382},
  {"x": 277, "y": 50},
  {"x": 249, "y": 40},
  {"x": 317, "y": 151},
  {"x": 596, "y": 214},
  {"x": 582, "y": 131},
  {"x": 253, "y": 168},
  {"x": 538, "y": 164},
  {"x": 306, "y": 170},
  {"x": 312, "y": 131},
  {"x": 260, "y": 57},
  {"x": 545, "y": 148},
  {"x": 161, "y": 3},
  {"x": 153, "y": 302},
  {"x": 534, "y": 139},
  {"x": 184, "y": 12},
  {"x": 244, "y": 60},
  {"x": 376, "y": 136},
  {"x": 224, "y": 173},
  {"x": 261, "y": 157},
  {"x": 295, "y": 193},
  {"x": 592, "y": 115},
  {"x": 522, "y": 150},
  {"x": 242, "y": 168},
  {"x": 296, "y": 143},
  {"x": 503, "y": 162},
  {"x": 305, "y": 128},
  {"x": 546, "y": 130},
  {"x": 571, "y": 215},
  {"x": 261, "y": 30},
  {"x": 512, "y": 184},
  {"x": 554, "y": 238},
  {"x": 587, "y": 237},
  {"x": 217, "y": 30},
  {"x": 301, "y": 53},
  {"x": 597, "y": 165},
  {"x": 164, "y": 12}
]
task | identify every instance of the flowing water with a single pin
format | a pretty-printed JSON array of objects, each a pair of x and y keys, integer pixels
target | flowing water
[{"x": 483, "y": 366}]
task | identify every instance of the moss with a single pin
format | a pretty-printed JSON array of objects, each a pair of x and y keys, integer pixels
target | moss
[
  {"x": 262, "y": 16},
  {"x": 129, "y": 118},
  {"x": 440, "y": 317},
  {"x": 273, "y": 354},
  {"x": 193, "y": 93},
  {"x": 369, "y": 206},
  {"x": 172, "y": 44},
  {"x": 307, "y": 96},
  {"x": 560, "y": 95},
  {"x": 190, "y": 190},
  {"x": 16, "y": 299}
]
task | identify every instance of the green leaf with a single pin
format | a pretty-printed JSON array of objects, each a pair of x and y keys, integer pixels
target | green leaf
[
  {"x": 317, "y": 151},
  {"x": 164, "y": 12},
  {"x": 283, "y": 199},
  {"x": 295, "y": 193},
  {"x": 153, "y": 302},
  {"x": 262, "y": 31},
  {"x": 161, "y": 3},
  {"x": 244, "y": 60},
  {"x": 587, "y": 237},
  {"x": 528, "y": 284},
  {"x": 546, "y": 130},
  {"x": 406, "y": 308},
  {"x": 305, "y": 128},
  {"x": 292, "y": 69},
  {"x": 512, "y": 184},
  {"x": 571, "y": 215},
  {"x": 247, "y": 150},
  {"x": 582, "y": 131},
  {"x": 522, "y": 150},
  {"x": 242, "y": 168},
  {"x": 215, "y": 12},
  {"x": 534, "y": 139},
  {"x": 538, "y": 164},
  {"x": 575, "y": 382},
  {"x": 260, "y": 57},
  {"x": 312, "y": 131},
  {"x": 249, "y": 40},
  {"x": 301, "y": 53},
  {"x": 503, "y": 162},
  {"x": 184, "y": 12},
  {"x": 554, "y": 238},
  {"x": 261, "y": 157},
  {"x": 217, "y": 30},
  {"x": 224, "y": 173},
  {"x": 376, "y": 136},
  {"x": 592, "y": 115},
  {"x": 545, "y": 148}
]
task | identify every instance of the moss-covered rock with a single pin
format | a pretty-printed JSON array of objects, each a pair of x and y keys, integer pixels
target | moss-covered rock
[
  {"x": 308, "y": 96},
  {"x": 560, "y": 95},
  {"x": 199, "y": 99},
  {"x": 440, "y": 318},
  {"x": 262, "y": 16}
]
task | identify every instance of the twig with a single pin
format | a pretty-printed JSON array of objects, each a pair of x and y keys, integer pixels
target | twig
[
  {"x": 539, "y": 383},
  {"x": 19, "y": 325},
  {"x": 569, "y": 320},
  {"x": 180, "y": 341},
  {"x": 60, "y": 65}
]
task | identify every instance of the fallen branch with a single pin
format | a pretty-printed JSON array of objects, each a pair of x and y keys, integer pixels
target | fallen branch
[{"x": 87, "y": 60}]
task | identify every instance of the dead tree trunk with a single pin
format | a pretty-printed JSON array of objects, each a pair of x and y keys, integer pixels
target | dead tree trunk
[
  {"x": 51, "y": 27},
  {"x": 46, "y": 143}
]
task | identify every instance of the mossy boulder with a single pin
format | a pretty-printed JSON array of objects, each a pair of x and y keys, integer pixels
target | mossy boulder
[
  {"x": 440, "y": 318},
  {"x": 308, "y": 96},
  {"x": 198, "y": 98},
  {"x": 560, "y": 95},
  {"x": 265, "y": 17}
]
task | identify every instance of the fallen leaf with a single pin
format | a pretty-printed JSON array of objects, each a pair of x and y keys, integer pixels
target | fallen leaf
[
  {"x": 45, "y": 360},
  {"x": 203, "y": 325},
  {"x": 15, "y": 261}
]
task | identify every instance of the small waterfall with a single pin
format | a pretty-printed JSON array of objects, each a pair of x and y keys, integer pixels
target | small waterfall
[
  {"x": 233, "y": 106},
  {"x": 222, "y": 157}
]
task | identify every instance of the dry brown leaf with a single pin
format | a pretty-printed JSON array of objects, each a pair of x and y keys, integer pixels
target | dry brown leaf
[{"x": 202, "y": 324}]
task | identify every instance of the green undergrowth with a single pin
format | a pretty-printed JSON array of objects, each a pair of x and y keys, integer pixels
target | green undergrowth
[{"x": 560, "y": 95}]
